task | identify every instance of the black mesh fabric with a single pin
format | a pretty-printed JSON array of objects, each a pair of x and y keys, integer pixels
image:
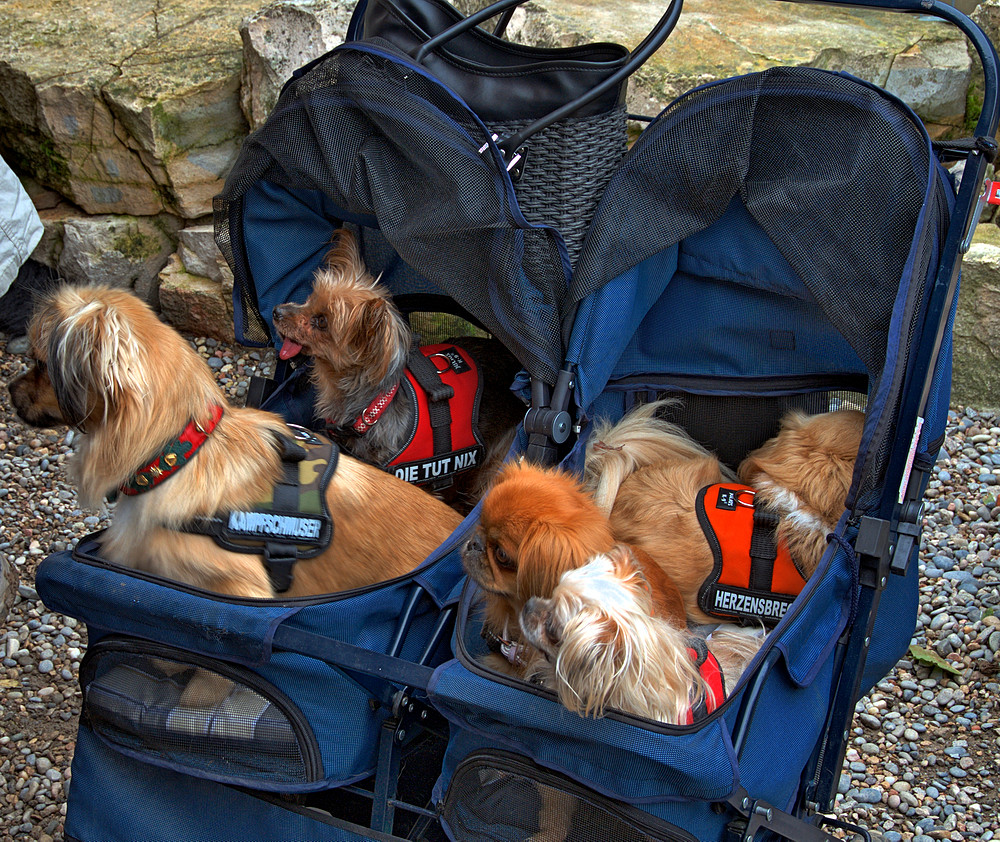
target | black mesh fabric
[
  {"x": 137, "y": 702},
  {"x": 831, "y": 169},
  {"x": 749, "y": 420},
  {"x": 386, "y": 143}
]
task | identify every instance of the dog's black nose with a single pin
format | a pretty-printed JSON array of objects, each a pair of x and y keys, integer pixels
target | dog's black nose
[
  {"x": 280, "y": 312},
  {"x": 474, "y": 545}
]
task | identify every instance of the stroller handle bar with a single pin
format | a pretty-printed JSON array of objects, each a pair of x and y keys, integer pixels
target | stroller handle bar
[{"x": 636, "y": 58}]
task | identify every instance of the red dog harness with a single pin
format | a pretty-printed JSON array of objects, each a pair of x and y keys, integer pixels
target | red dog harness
[
  {"x": 754, "y": 579},
  {"x": 710, "y": 670},
  {"x": 445, "y": 386}
]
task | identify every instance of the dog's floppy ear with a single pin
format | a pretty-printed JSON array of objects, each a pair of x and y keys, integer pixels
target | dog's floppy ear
[
  {"x": 545, "y": 553},
  {"x": 92, "y": 361},
  {"x": 626, "y": 566},
  {"x": 382, "y": 337}
]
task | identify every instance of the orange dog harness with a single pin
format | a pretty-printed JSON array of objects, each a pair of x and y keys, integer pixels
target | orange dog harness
[
  {"x": 445, "y": 386},
  {"x": 754, "y": 578}
]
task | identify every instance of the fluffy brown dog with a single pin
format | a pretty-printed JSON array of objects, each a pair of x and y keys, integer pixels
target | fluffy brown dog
[
  {"x": 535, "y": 524},
  {"x": 107, "y": 365},
  {"x": 647, "y": 473},
  {"x": 606, "y": 648},
  {"x": 360, "y": 345}
]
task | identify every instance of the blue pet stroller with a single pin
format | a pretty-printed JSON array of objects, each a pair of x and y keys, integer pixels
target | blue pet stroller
[{"x": 788, "y": 238}]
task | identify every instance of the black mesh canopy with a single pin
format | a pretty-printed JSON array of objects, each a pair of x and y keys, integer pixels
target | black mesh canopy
[
  {"x": 836, "y": 173},
  {"x": 832, "y": 170},
  {"x": 388, "y": 145}
]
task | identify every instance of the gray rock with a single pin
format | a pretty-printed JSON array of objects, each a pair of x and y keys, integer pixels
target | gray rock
[{"x": 280, "y": 38}]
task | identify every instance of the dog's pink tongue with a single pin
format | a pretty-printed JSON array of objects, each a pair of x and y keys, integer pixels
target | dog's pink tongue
[{"x": 289, "y": 349}]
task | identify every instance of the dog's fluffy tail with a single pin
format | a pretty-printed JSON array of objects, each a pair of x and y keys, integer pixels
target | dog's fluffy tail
[{"x": 640, "y": 438}]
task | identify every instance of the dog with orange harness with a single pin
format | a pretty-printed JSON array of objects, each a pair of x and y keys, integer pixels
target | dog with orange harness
[{"x": 738, "y": 548}]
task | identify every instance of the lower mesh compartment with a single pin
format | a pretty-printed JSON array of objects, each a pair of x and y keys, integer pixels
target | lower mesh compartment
[
  {"x": 172, "y": 712},
  {"x": 502, "y": 797}
]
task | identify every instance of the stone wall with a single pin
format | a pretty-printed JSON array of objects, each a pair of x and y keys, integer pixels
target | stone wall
[{"x": 124, "y": 119}]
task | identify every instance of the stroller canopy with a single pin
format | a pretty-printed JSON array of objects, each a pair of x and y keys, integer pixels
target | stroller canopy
[{"x": 807, "y": 250}]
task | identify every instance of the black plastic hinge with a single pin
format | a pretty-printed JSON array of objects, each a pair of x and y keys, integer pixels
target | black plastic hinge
[{"x": 873, "y": 546}]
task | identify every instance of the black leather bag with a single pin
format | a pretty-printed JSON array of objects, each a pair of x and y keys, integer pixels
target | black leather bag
[
  {"x": 570, "y": 101},
  {"x": 500, "y": 80}
]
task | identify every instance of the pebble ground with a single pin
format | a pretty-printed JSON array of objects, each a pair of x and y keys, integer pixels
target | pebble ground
[{"x": 924, "y": 759}]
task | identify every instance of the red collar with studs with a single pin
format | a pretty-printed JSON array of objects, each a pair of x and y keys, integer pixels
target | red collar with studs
[{"x": 173, "y": 457}]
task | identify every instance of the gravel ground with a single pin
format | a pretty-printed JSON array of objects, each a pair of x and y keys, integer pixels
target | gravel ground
[{"x": 925, "y": 757}]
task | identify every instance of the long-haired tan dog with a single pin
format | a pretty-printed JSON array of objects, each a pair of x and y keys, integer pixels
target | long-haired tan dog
[
  {"x": 646, "y": 473},
  {"x": 107, "y": 365},
  {"x": 606, "y": 649}
]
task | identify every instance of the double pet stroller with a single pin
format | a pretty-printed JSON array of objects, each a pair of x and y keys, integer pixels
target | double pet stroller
[{"x": 784, "y": 239}]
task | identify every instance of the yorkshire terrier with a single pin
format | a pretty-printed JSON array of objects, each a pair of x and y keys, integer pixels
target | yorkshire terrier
[
  {"x": 365, "y": 368},
  {"x": 665, "y": 493}
]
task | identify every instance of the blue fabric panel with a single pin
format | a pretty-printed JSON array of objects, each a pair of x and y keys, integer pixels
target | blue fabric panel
[
  {"x": 115, "y": 602},
  {"x": 807, "y": 634},
  {"x": 287, "y": 235},
  {"x": 611, "y": 756},
  {"x": 117, "y": 799},
  {"x": 764, "y": 323},
  {"x": 695, "y": 817},
  {"x": 736, "y": 249},
  {"x": 754, "y": 334},
  {"x": 783, "y": 732},
  {"x": 125, "y": 603},
  {"x": 348, "y": 741},
  {"x": 607, "y": 319}
]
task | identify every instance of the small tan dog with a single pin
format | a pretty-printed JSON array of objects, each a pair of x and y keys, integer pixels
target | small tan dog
[
  {"x": 150, "y": 409},
  {"x": 648, "y": 475},
  {"x": 535, "y": 524},
  {"x": 363, "y": 355},
  {"x": 605, "y": 648}
]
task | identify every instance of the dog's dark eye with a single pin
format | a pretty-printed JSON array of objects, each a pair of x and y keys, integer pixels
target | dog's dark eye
[
  {"x": 502, "y": 559},
  {"x": 319, "y": 321}
]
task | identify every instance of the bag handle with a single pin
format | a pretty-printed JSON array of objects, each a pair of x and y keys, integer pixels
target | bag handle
[
  {"x": 636, "y": 58},
  {"x": 465, "y": 25}
]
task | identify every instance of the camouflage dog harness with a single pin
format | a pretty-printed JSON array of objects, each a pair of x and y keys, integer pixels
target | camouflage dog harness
[
  {"x": 754, "y": 578},
  {"x": 294, "y": 523}
]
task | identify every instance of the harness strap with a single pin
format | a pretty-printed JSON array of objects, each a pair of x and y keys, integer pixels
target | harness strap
[
  {"x": 280, "y": 558},
  {"x": 754, "y": 577},
  {"x": 281, "y": 531},
  {"x": 763, "y": 547},
  {"x": 438, "y": 394},
  {"x": 710, "y": 670}
]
